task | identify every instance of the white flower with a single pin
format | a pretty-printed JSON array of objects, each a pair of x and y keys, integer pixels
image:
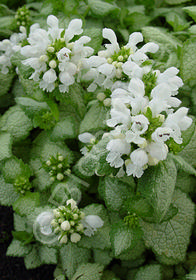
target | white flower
[
  {"x": 139, "y": 157},
  {"x": 157, "y": 150},
  {"x": 66, "y": 57},
  {"x": 120, "y": 114},
  {"x": 72, "y": 202},
  {"x": 117, "y": 148},
  {"x": 86, "y": 137},
  {"x": 139, "y": 126},
  {"x": 91, "y": 223},
  {"x": 162, "y": 134},
  {"x": 132, "y": 169}
]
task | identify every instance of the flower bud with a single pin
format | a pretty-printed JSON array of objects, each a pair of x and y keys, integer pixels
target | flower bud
[
  {"x": 60, "y": 176},
  {"x": 120, "y": 58},
  {"x": 63, "y": 239},
  {"x": 43, "y": 58},
  {"x": 107, "y": 102},
  {"x": 75, "y": 237},
  {"x": 52, "y": 64},
  {"x": 101, "y": 96},
  {"x": 65, "y": 226},
  {"x": 50, "y": 49},
  {"x": 75, "y": 216},
  {"x": 109, "y": 60},
  {"x": 60, "y": 158}
]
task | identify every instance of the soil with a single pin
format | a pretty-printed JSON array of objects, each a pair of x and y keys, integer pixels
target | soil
[{"x": 12, "y": 268}]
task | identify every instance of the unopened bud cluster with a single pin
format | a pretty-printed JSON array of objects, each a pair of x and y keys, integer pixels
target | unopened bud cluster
[
  {"x": 104, "y": 97},
  {"x": 131, "y": 220},
  {"x": 57, "y": 167},
  {"x": 22, "y": 16},
  {"x": 22, "y": 184},
  {"x": 67, "y": 222}
]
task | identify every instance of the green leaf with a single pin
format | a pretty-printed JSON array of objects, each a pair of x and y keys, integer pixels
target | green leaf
[
  {"x": 176, "y": 2},
  {"x": 5, "y": 145},
  {"x": 65, "y": 129},
  {"x": 115, "y": 193},
  {"x": 23, "y": 236},
  {"x": 31, "y": 106},
  {"x": 54, "y": 108},
  {"x": 71, "y": 257},
  {"x": 124, "y": 238},
  {"x": 17, "y": 249},
  {"x": 14, "y": 168},
  {"x": 102, "y": 257},
  {"x": 26, "y": 204},
  {"x": 191, "y": 11},
  {"x": 44, "y": 148},
  {"x": 16, "y": 60},
  {"x": 109, "y": 275},
  {"x": 188, "y": 60},
  {"x": 95, "y": 161},
  {"x": 169, "y": 240},
  {"x": 161, "y": 181},
  {"x": 177, "y": 21},
  {"x": 20, "y": 223},
  {"x": 149, "y": 272},
  {"x": 6, "y": 22},
  {"x": 42, "y": 178},
  {"x": 95, "y": 118},
  {"x": 16, "y": 123},
  {"x": 48, "y": 255},
  {"x": 32, "y": 259},
  {"x": 182, "y": 165},
  {"x": 189, "y": 152},
  {"x": 8, "y": 194},
  {"x": 185, "y": 182},
  {"x": 102, "y": 8},
  {"x": 93, "y": 29},
  {"x": 73, "y": 98},
  {"x": 160, "y": 36},
  {"x": 100, "y": 239},
  {"x": 89, "y": 271},
  {"x": 5, "y": 82}
]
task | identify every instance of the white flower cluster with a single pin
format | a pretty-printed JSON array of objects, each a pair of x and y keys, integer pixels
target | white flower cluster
[
  {"x": 117, "y": 64},
  {"x": 143, "y": 120},
  {"x": 57, "y": 167},
  {"x": 70, "y": 223},
  {"x": 9, "y": 47},
  {"x": 53, "y": 54}
]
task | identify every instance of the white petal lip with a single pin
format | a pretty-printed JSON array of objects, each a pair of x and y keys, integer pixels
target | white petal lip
[
  {"x": 94, "y": 221},
  {"x": 110, "y": 35},
  {"x": 136, "y": 87},
  {"x": 50, "y": 76},
  {"x": 134, "y": 39},
  {"x": 66, "y": 78},
  {"x": 150, "y": 47},
  {"x": 139, "y": 157},
  {"x": 86, "y": 137},
  {"x": 52, "y": 21},
  {"x": 74, "y": 28},
  {"x": 158, "y": 150}
]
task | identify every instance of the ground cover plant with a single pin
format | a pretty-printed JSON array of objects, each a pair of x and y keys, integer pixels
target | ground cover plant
[{"x": 97, "y": 136}]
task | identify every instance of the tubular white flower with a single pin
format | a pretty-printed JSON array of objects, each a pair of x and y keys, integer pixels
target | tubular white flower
[
  {"x": 72, "y": 202},
  {"x": 74, "y": 28},
  {"x": 86, "y": 137},
  {"x": 91, "y": 223},
  {"x": 139, "y": 157}
]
